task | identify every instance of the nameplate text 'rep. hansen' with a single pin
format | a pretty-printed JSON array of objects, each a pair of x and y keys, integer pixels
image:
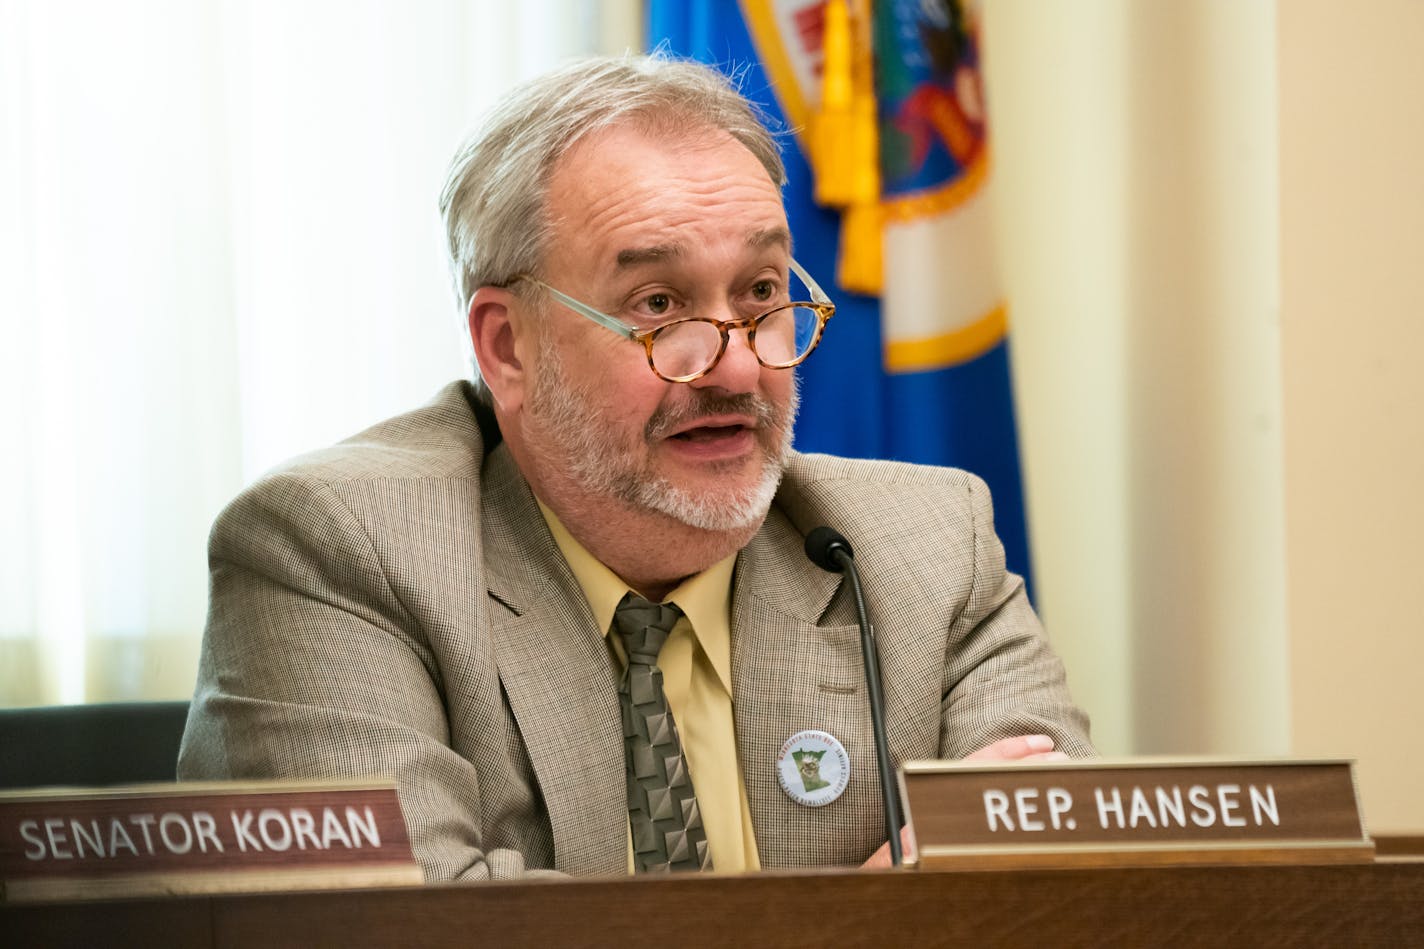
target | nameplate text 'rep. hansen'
[
  {"x": 202, "y": 837},
  {"x": 1133, "y": 812}
]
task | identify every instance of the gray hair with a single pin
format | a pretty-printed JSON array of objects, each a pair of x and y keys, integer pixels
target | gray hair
[{"x": 493, "y": 202}]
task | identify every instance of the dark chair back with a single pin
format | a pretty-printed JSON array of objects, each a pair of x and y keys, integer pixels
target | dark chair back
[{"x": 83, "y": 745}]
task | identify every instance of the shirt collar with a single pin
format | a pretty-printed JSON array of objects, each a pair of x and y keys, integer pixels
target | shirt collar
[{"x": 705, "y": 598}]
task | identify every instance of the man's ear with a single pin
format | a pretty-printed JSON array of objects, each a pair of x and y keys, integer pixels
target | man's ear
[{"x": 494, "y": 334}]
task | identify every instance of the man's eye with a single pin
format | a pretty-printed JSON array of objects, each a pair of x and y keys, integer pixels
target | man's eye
[
  {"x": 658, "y": 303},
  {"x": 763, "y": 289}
]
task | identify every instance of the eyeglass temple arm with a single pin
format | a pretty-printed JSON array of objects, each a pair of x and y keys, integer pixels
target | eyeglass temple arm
[
  {"x": 603, "y": 319},
  {"x": 817, "y": 294}
]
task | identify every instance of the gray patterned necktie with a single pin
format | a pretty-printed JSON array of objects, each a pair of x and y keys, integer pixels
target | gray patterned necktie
[{"x": 662, "y": 809}]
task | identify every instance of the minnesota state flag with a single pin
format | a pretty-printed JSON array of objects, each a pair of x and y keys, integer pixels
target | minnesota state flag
[{"x": 889, "y": 171}]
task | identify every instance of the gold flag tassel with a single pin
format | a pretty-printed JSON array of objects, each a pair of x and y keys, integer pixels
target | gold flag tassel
[
  {"x": 832, "y": 127},
  {"x": 845, "y": 144}
]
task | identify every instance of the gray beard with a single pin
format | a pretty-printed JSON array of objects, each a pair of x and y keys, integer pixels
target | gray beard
[{"x": 599, "y": 460}]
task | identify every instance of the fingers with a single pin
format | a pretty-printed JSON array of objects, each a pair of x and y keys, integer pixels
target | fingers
[
  {"x": 1019, "y": 748},
  {"x": 907, "y": 843},
  {"x": 880, "y": 859}
]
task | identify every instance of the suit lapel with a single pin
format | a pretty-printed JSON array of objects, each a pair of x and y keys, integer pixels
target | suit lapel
[
  {"x": 793, "y": 668},
  {"x": 790, "y": 674},
  {"x": 558, "y": 675}
]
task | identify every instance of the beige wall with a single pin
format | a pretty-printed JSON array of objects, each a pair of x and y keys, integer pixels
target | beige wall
[
  {"x": 1136, "y": 180},
  {"x": 1060, "y": 151},
  {"x": 1352, "y": 288},
  {"x": 1212, "y": 228}
]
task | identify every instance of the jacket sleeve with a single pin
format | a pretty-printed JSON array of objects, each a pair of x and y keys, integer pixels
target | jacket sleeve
[
  {"x": 311, "y": 667},
  {"x": 1001, "y": 679}
]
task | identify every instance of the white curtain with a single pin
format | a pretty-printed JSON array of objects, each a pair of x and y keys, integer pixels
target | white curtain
[{"x": 219, "y": 247}]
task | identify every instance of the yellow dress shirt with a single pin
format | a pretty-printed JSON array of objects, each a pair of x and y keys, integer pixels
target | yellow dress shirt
[{"x": 696, "y": 662}]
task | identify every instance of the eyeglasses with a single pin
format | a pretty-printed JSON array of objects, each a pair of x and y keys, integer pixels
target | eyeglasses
[{"x": 684, "y": 350}]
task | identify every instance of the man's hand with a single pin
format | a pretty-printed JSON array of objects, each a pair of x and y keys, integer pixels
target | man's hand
[
  {"x": 1020, "y": 748},
  {"x": 880, "y": 859}
]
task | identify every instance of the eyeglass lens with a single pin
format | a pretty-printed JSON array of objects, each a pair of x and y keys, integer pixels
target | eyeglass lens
[{"x": 783, "y": 337}]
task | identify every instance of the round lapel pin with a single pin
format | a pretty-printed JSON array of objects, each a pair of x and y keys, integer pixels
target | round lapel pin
[{"x": 813, "y": 768}]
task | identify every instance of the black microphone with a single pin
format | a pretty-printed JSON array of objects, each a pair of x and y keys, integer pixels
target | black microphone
[
  {"x": 826, "y": 548},
  {"x": 830, "y": 551}
]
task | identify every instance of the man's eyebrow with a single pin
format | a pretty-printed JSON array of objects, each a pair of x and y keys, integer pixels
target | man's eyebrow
[
  {"x": 757, "y": 240},
  {"x": 634, "y": 256},
  {"x": 769, "y": 237}
]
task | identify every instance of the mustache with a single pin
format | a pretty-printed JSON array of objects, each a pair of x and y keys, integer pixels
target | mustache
[{"x": 701, "y": 403}]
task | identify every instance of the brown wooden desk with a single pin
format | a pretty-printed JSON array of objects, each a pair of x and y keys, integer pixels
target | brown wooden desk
[{"x": 1379, "y": 904}]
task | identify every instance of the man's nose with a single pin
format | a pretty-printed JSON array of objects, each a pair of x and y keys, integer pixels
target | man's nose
[{"x": 738, "y": 369}]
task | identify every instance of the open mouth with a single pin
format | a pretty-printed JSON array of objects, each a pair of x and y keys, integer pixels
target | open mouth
[{"x": 709, "y": 433}]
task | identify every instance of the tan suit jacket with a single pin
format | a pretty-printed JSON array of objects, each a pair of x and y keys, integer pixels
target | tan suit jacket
[{"x": 396, "y": 605}]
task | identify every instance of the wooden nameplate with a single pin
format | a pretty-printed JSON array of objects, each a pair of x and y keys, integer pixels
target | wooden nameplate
[
  {"x": 1133, "y": 812},
  {"x": 209, "y": 837}
]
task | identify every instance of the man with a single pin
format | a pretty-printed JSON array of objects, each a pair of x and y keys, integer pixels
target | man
[{"x": 472, "y": 597}]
